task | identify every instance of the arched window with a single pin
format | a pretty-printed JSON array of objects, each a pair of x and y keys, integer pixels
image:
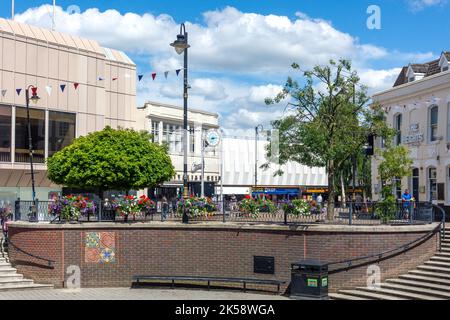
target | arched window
[
  {"x": 398, "y": 127},
  {"x": 433, "y": 124}
]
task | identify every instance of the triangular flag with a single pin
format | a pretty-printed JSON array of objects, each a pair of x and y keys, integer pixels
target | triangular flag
[
  {"x": 178, "y": 71},
  {"x": 153, "y": 76},
  {"x": 49, "y": 90},
  {"x": 76, "y": 85},
  {"x": 101, "y": 79},
  {"x": 114, "y": 79},
  {"x": 4, "y": 93},
  {"x": 18, "y": 91},
  {"x": 166, "y": 73},
  {"x": 63, "y": 86},
  {"x": 140, "y": 77}
]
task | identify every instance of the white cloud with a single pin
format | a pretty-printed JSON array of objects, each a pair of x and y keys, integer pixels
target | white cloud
[
  {"x": 418, "y": 5},
  {"x": 232, "y": 46}
]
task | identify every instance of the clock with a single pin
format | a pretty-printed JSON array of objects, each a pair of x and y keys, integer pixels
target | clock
[{"x": 212, "y": 138}]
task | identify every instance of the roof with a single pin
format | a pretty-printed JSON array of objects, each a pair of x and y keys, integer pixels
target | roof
[
  {"x": 428, "y": 69},
  {"x": 61, "y": 39},
  {"x": 154, "y": 103}
]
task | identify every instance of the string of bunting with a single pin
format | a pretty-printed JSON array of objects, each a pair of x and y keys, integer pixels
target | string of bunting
[{"x": 76, "y": 85}]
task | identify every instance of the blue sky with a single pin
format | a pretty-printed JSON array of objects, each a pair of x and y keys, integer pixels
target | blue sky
[{"x": 241, "y": 50}]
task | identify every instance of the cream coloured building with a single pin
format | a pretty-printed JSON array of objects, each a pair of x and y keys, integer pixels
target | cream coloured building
[
  {"x": 99, "y": 89},
  {"x": 418, "y": 107},
  {"x": 165, "y": 123}
]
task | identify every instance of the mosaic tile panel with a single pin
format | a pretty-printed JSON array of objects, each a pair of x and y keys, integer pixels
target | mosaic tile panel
[{"x": 100, "y": 247}]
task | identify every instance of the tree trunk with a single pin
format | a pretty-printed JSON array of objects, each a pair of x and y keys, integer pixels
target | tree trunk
[
  {"x": 331, "y": 190},
  {"x": 343, "y": 192}
]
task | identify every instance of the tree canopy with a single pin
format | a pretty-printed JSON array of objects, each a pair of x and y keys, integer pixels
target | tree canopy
[
  {"x": 329, "y": 120},
  {"x": 110, "y": 159}
]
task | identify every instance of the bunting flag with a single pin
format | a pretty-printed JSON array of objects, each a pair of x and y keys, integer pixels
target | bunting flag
[
  {"x": 49, "y": 90},
  {"x": 114, "y": 79},
  {"x": 178, "y": 71},
  {"x": 101, "y": 78},
  {"x": 166, "y": 73},
  {"x": 4, "y": 93},
  {"x": 18, "y": 91},
  {"x": 63, "y": 86},
  {"x": 153, "y": 76},
  {"x": 76, "y": 85},
  {"x": 140, "y": 77}
]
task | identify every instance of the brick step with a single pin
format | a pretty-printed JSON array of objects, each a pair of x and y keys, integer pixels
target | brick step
[
  {"x": 438, "y": 264},
  {"x": 443, "y": 254},
  {"x": 5, "y": 265},
  {"x": 421, "y": 287},
  {"x": 445, "y": 250},
  {"x": 10, "y": 276},
  {"x": 8, "y": 270},
  {"x": 440, "y": 258},
  {"x": 430, "y": 273},
  {"x": 429, "y": 279},
  {"x": 445, "y": 244},
  {"x": 397, "y": 292},
  {"x": 15, "y": 282},
  {"x": 341, "y": 296},
  {"x": 369, "y": 295},
  {"x": 27, "y": 287}
]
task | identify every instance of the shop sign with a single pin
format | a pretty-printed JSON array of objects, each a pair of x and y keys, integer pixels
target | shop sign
[{"x": 415, "y": 138}]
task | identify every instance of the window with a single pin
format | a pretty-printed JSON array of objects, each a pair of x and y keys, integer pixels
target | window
[
  {"x": 61, "y": 128},
  {"x": 37, "y": 120},
  {"x": 433, "y": 127},
  {"x": 415, "y": 184},
  {"x": 432, "y": 184},
  {"x": 155, "y": 131},
  {"x": 412, "y": 79},
  {"x": 448, "y": 122},
  {"x": 397, "y": 185},
  {"x": 5, "y": 134},
  {"x": 398, "y": 127},
  {"x": 444, "y": 68}
]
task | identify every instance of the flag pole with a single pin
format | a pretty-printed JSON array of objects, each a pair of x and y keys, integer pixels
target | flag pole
[
  {"x": 12, "y": 9},
  {"x": 53, "y": 16}
]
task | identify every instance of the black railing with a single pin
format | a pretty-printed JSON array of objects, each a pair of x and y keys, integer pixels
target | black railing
[
  {"x": 355, "y": 213},
  {"x": 375, "y": 258},
  {"x": 49, "y": 262}
]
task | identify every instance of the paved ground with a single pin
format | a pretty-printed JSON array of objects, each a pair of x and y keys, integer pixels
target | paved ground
[{"x": 132, "y": 294}]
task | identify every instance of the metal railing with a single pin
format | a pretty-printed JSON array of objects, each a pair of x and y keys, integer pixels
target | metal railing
[{"x": 230, "y": 211}]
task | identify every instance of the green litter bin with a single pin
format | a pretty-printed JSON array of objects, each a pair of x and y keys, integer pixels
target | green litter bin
[{"x": 309, "y": 280}]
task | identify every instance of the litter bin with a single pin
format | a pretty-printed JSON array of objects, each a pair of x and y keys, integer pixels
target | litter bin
[{"x": 309, "y": 280}]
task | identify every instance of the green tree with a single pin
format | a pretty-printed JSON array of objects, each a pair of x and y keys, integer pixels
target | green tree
[
  {"x": 111, "y": 159},
  {"x": 329, "y": 120}
]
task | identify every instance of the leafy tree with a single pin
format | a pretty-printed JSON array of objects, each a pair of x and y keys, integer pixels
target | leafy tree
[
  {"x": 111, "y": 159},
  {"x": 329, "y": 120}
]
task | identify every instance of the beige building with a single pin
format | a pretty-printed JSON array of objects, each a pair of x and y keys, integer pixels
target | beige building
[
  {"x": 419, "y": 109},
  {"x": 83, "y": 87},
  {"x": 165, "y": 123}
]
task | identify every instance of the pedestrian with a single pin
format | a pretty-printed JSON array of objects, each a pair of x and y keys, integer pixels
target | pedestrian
[
  {"x": 358, "y": 202},
  {"x": 406, "y": 199},
  {"x": 319, "y": 201},
  {"x": 164, "y": 208}
]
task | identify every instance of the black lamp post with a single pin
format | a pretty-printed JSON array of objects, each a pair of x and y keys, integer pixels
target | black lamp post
[
  {"x": 259, "y": 128},
  {"x": 181, "y": 45},
  {"x": 35, "y": 98}
]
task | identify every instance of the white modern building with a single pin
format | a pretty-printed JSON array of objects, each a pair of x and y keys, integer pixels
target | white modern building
[
  {"x": 418, "y": 108},
  {"x": 165, "y": 123},
  {"x": 239, "y": 171}
]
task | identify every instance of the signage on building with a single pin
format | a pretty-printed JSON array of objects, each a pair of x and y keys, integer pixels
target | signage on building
[{"x": 414, "y": 138}]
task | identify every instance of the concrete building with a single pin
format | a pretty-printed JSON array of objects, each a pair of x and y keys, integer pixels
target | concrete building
[
  {"x": 239, "y": 171},
  {"x": 165, "y": 122},
  {"x": 83, "y": 87},
  {"x": 418, "y": 107}
]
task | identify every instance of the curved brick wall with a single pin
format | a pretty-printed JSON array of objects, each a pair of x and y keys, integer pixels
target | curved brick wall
[{"x": 110, "y": 254}]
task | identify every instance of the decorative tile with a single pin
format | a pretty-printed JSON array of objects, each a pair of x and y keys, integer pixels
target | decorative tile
[{"x": 100, "y": 247}]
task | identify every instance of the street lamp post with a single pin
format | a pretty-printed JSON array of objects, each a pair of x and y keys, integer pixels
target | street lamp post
[
  {"x": 34, "y": 97},
  {"x": 259, "y": 128},
  {"x": 181, "y": 45}
]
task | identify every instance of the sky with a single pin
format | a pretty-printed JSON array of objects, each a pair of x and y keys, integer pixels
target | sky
[{"x": 241, "y": 51}]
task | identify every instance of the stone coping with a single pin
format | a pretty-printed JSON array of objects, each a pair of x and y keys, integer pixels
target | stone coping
[{"x": 326, "y": 228}]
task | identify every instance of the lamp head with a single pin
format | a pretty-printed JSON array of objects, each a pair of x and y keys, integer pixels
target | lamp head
[{"x": 180, "y": 44}]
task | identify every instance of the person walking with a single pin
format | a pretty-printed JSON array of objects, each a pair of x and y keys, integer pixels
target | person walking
[
  {"x": 164, "y": 208},
  {"x": 319, "y": 201}
]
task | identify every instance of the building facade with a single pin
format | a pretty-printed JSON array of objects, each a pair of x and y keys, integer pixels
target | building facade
[
  {"x": 239, "y": 171},
  {"x": 165, "y": 123},
  {"x": 418, "y": 108},
  {"x": 83, "y": 88}
]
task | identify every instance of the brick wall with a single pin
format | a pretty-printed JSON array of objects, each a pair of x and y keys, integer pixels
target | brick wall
[{"x": 204, "y": 251}]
